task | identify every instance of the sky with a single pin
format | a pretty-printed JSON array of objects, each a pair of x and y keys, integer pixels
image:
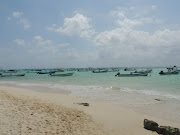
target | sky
[{"x": 89, "y": 33}]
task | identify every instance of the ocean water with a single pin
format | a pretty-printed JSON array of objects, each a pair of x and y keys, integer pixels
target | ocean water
[{"x": 136, "y": 93}]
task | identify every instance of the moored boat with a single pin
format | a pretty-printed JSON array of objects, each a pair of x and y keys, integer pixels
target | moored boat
[
  {"x": 10, "y": 71},
  {"x": 50, "y": 72},
  {"x": 34, "y": 71},
  {"x": 10, "y": 75},
  {"x": 129, "y": 69},
  {"x": 144, "y": 71},
  {"x": 169, "y": 73},
  {"x": 100, "y": 71},
  {"x": 113, "y": 70},
  {"x": 173, "y": 69},
  {"x": 131, "y": 74},
  {"x": 62, "y": 74},
  {"x": 82, "y": 70},
  {"x": 59, "y": 70}
]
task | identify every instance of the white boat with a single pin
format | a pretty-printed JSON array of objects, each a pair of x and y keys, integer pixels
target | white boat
[
  {"x": 62, "y": 74},
  {"x": 10, "y": 71},
  {"x": 113, "y": 70},
  {"x": 11, "y": 75},
  {"x": 173, "y": 69},
  {"x": 100, "y": 71}
]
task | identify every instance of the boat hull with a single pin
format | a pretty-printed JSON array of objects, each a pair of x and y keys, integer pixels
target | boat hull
[
  {"x": 100, "y": 71},
  {"x": 66, "y": 74},
  {"x": 46, "y": 72},
  {"x": 12, "y": 75},
  {"x": 131, "y": 75},
  {"x": 169, "y": 73}
]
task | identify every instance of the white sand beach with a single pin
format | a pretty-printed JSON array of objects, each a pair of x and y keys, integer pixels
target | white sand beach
[{"x": 28, "y": 112}]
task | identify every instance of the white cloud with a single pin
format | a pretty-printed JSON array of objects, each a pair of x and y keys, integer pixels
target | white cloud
[
  {"x": 19, "y": 42},
  {"x": 127, "y": 23},
  {"x": 42, "y": 46},
  {"x": 132, "y": 17},
  {"x": 42, "y": 42},
  {"x": 17, "y": 14},
  {"x": 77, "y": 25},
  {"x": 132, "y": 45},
  {"x": 39, "y": 38},
  {"x": 20, "y": 19},
  {"x": 154, "y": 7},
  {"x": 25, "y": 23},
  {"x": 50, "y": 28}
]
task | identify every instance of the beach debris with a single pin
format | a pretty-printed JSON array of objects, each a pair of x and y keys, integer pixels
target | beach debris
[
  {"x": 150, "y": 125},
  {"x": 167, "y": 130},
  {"x": 158, "y": 99},
  {"x": 164, "y": 130},
  {"x": 84, "y": 104}
]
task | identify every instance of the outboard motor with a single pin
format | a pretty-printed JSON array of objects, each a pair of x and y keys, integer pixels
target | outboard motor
[
  {"x": 117, "y": 74},
  {"x": 161, "y": 72}
]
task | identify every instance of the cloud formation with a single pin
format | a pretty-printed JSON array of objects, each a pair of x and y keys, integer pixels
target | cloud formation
[
  {"x": 17, "y": 14},
  {"x": 19, "y": 42},
  {"x": 129, "y": 44},
  {"x": 20, "y": 20},
  {"x": 25, "y": 23},
  {"x": 130, "y": 17},
  {"x": 77, "y": 25}
]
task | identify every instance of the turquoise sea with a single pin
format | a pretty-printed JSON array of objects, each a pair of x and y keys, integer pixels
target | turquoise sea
[{"x": 136, "y": 93}]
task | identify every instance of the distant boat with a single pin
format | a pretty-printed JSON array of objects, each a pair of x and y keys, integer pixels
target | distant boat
[
  {"x": 10, "y": 75},
  {"x": 113, "y": 70},
  {"x": 10, "y": 71},
  {"x": 82, "y": 70},
  {"x": 59, "y": 70},
  {"x": 100, "y": 71},
  {"x": 62, "y": 74},
  {"x": 34, "y": 71},
  {"x": 168, "y": 73},
  {"x": 129, "y": 69},
  {"x": 50, "y": 72},
  {"x": 174, "y": 69},
  {"x": 144, "y": 71},
  {"x": 131, "y": 74}
]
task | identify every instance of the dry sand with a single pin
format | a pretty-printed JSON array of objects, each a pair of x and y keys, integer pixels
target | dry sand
[{"x": 27, "y": 112}]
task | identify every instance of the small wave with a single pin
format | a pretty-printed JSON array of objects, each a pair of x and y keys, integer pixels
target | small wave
[
  {"x": 91, "y": 92},
  {"x": 105, "y": 92},
  {"x": 151, "y": 92},
  {"x": 32, "y": 84}
]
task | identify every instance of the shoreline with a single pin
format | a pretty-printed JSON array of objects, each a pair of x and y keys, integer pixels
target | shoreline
[
  {"x": 162, "y": 108},
  {"x": 115, "y": 118}
]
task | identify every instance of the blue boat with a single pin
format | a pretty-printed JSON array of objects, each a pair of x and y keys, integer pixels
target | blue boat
[{"x": 131, "y": 74}]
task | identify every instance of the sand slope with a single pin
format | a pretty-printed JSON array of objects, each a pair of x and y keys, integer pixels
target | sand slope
[{"x": 30, "y": 116}]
